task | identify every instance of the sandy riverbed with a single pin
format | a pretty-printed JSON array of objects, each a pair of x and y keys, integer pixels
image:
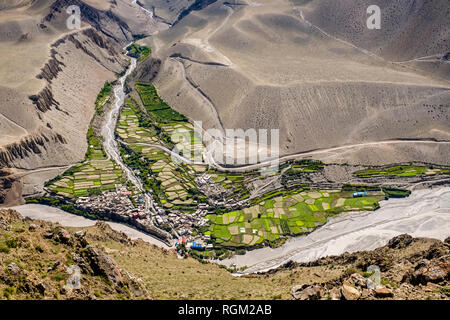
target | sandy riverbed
[
  {"x": 51, "y": 214},
  {"x": 426, "y": 213}
]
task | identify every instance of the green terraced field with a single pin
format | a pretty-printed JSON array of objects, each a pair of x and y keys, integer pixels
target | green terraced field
[
  {"x": 138, "y": 52},
  {"x": 136, "y": 127},
  {"x": 173, "y": 185},
  {"x": 232, "y": 182},
  {"x": 401, "y": 171},
  {"x": 129, "y": 128},
  {"x": 95, "y": 175},
  {"x": 89, "y": 178},
  {"x": 285, "y": 215},
  {"x": 157, "y": 108},
  {"x": 103, "y": 97}
]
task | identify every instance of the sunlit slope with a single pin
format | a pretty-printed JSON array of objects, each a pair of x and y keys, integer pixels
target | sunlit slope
[
  {"x": 51, "y": 76},
  {"x": 266, "y": 65}
]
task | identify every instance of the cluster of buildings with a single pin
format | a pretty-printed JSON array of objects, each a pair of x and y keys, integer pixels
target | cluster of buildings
[
  {"x": 119, "y": 201},
  {"x": 217, "y": 194},
  {"x": 196, "y": 244},
  {"x": 184, "y": 225},
  {"x": 131, "y": 207}
]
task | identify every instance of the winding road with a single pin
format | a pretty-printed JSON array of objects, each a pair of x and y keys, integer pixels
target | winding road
[
  {"x": 426, "y": 213},
  {"x": 295, "y": 156}
]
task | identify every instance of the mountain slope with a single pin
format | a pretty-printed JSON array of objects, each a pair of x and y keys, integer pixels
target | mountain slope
[
  {"x": 267, "y": 65},
  {"x": 51, "y": 77},
  {"x": 35, "y": 256}
]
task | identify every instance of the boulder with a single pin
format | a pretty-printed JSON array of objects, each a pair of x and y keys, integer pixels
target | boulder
[
  {"x": 335, "y": 294},
  {"x": 104, "y": 265},
  {"x": 58, "y": 234},
  {"x": 357, "y": 280},
  {"x": 81, "y": 237},
  {"x": 307, "y": 292},
  {"x": 431, "y": 271},
  {"x": 64, "y": 236},
  {"x": 383, "y": 293},
  {"x": 32, "y": 227},
  {"x": 400, "y": 242},
  {"x": 14, "y": 268},
  {"x": 349, "y": 292}
]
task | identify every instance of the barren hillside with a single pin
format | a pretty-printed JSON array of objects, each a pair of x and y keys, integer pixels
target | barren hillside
[
  {"x": 50, "y": 79},
  {"x": 313, "y": 70},
  {"x": 35, "y": 257}
]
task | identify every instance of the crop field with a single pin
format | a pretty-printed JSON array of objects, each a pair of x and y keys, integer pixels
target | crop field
[
  {"x": 90, "y": 178},
  {"x": 136, "y": 127},
  {"x": 95, "y": 175},
  {"x": 103, "y": 97},
  {"x": 138, "y": 52},
  {"x": 401, "y": 171},
  {"x": 129, "y": 128},
  {"x": 236, "y": 183},
  {"x": 285, "y": 215},
  {"x": 175, "y": 186},
  {"x": 233, "y": 182},
  {"x": 157, "y": 108}
]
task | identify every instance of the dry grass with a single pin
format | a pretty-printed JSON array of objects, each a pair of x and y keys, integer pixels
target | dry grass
[{"x": 168, "y": 277}]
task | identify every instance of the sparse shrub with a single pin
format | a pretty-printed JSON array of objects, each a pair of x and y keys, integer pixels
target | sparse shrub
[
  {"x": 97, "y": 293},
  {"x": 368, "y": 274},
  {"x": 59, "y": 277},
  {"x": 12, "y": 243},
  {"x": 351, "y": 271},
  {"x": 4, "y": 248},
  {"x": 9, "y": 292},
  {"x": 386, "y": 281},
  {"x": 445, "y": 290}
]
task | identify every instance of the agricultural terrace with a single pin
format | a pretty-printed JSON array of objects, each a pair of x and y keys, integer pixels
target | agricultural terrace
[
  {"x": 157, "y": 108},
  {"x": 103, "y": 98},
  {"x": 173, "y": 185},
  {"x": 402, "y": 171},
  {"x": 236, "y": 183},
  {"x": 138, "y": 52},
  {"x": 233, "y": 183},
  {"x": 292, "y": 214},
  {"x": 175, "y": 127},
  {"x": 130, "y": 128},
  {"x": 95, "y": 175}
]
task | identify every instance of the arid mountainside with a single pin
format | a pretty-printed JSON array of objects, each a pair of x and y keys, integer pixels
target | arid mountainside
[
  {"x": 309, "y": 68},
  {"x": 35, "y": 257},
  {"x": 313, "y": 70},
  {"x": 171, "y": 11},
  {"x": 50, "y": 78},
  {"x": 412, "y": 33}
]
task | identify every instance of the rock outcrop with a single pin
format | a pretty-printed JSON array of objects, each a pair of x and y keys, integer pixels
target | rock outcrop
[
  {"x": 49, "y": 261},
  {"x": 411, "y": 269}
]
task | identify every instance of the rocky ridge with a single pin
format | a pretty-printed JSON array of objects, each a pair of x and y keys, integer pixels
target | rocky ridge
[
  {"x": 45, "y": 261},
  {"x": 410, "y": 268}
]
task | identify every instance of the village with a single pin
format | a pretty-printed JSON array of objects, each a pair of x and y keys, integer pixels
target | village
[{"x": 173, "y": 227}]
